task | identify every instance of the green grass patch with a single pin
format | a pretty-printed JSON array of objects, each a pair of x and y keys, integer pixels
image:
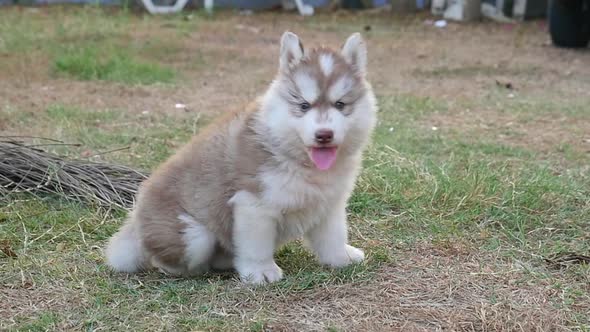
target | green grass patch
[
  {"x": 90, "y": 64},
  {"x": 144, "y": 140},
  {"x": 93, "y": 44},
  {"x": 24, "y": 31},
  {"x": 45, "y": 322},
  {"x": 421, "y": 183}
]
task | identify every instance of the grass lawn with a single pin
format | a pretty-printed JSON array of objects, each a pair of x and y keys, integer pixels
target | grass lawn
[{"x": 478, "y": 173}]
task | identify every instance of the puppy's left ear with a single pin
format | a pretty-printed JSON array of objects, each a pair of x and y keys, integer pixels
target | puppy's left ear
[
  {"x": 291, "y": 51},
  {"x": 355, "y": 53}
]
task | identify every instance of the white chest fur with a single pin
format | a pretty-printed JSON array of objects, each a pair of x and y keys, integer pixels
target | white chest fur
[{"x": 300, "y": 200}]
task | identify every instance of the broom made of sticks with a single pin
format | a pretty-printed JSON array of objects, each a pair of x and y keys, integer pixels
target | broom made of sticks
[{"x": 30, "y": 169}]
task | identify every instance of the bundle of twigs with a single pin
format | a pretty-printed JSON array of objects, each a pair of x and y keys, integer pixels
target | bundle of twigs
[{"x": 28, "y": 168}]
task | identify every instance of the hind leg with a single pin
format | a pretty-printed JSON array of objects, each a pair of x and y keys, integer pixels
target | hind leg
[
  {"x": 222, "y": 260},
  {"x": 173, "y": 270},
  {"x": 200, "y": 245}
]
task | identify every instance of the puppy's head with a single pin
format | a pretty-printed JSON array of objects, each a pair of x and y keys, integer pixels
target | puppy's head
[{"x": 320, "y": 107}]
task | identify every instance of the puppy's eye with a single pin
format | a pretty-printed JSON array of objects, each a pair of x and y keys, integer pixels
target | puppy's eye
[
  {"x": 305, "y": 106},
  {"x": 339, "y": 105}
]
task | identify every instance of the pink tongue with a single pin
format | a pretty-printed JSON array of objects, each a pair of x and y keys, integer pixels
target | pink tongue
[{"x": 323, "y": 158}]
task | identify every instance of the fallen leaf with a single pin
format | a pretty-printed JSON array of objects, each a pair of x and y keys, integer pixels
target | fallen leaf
[{"x": 6, "y": 249}]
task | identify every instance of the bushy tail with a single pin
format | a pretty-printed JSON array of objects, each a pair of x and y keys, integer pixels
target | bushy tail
[{"x": 125, "y": 252}]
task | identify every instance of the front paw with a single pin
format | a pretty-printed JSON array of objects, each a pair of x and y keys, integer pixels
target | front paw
[
  {"x": 355, "y": 255},
  {"x": 344, "y": 257},
  {"x": 257, "y": 273}
]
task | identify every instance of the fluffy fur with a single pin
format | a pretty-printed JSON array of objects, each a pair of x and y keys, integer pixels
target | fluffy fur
[{"x": 252, "y": 181}]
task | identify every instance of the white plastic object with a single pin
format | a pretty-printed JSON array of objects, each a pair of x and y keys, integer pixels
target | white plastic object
[
  {"x": 302, "y": 8},
  {"x": 153, "y": 9},
  {"x": 440, "y": 23},
  {"x": 463, "y": 10},
  {"x": 438, "y": 7},
  {"x": 209, "y": 6}
]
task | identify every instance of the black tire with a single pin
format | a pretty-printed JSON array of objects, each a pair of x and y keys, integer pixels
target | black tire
[{"x": 569, "y": 23}]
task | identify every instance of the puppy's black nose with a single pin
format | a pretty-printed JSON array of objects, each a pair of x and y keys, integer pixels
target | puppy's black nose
[{"x": 324, "y": 136}]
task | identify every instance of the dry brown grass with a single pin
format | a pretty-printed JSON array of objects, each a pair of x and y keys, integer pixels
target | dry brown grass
[{"x": 429, "y": 289}]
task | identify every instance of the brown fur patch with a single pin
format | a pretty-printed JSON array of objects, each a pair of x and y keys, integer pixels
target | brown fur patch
[
  {"x": 310, "y": 64},
  {"x": 198, "y": 181}
]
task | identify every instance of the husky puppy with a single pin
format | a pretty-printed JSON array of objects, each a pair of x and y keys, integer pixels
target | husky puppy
[{"x": 280, "y": 170}]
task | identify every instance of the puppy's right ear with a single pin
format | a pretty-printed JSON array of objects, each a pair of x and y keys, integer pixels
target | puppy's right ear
[
  {"x": 355, "y": 52},
  {"x": 291, "y": 51}
]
